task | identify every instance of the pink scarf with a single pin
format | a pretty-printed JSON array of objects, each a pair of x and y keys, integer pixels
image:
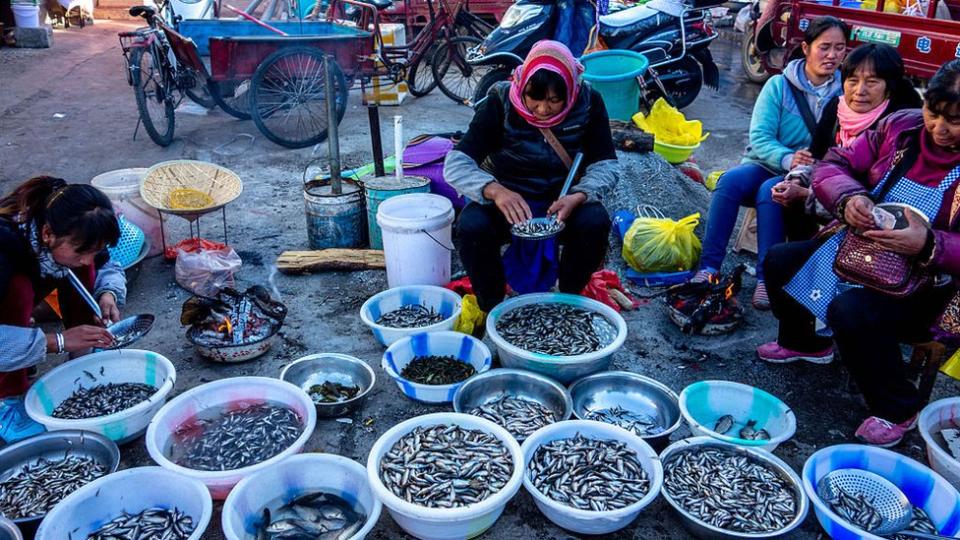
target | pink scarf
[
  {"x": 853, "y": 123},
  {"x": 552, "y": 56}
]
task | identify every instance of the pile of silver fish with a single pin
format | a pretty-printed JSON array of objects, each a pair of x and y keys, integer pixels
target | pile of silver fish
[
  {"x": 103, "y": 399},
  {"x": 536, "y": 228},
  {"x": 589, "y": 474},
  {"x": 412, "y": 316},
  {"x": 729, "y": 490},
  {"x": 235, "y": 439},
  {"x": 920, "y": 522},
  {"x": 151, "y": 524},
  {"x": 748, "y": 432},
  {"x": 555, "y": 329},
  {"x": 39, "y": 486},
  {"x": 520, "y": 416},
  {"x": 312, "y": 516},
  {"x": 641, "y": 424},
  {"x": 855, "y": 507},
  {"x": 446, "y": 466}
]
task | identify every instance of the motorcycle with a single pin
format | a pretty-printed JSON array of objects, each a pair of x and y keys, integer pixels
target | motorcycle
[{"x": 674, "y": 37}]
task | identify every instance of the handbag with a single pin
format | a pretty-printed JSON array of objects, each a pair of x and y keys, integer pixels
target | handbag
[{"x": 864, "y": 262}]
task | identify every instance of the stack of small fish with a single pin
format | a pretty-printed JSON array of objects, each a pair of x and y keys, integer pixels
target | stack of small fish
[
  {"x": 39, "y": 486},
  {"x": 437, "y": 370},
  {"x": 555, "y": 329},
  {"x": 748, "y": 432},
  {"x": 331, "y": 392},
  {"x": 589, "y": 474},
  {"x": 920, "y": 522},
  {"x": 855, "y": 507},
  {"x": 520, "y": 416},
  {"x": 643, "y": 425},
  {"x": 103, "y": 399},
  {"x": 537, "y": 228},
  {"x": 729, "y": 490},
  {"x": 445, "y": 466},
  {"x": 151, "y": 524},
  {"x": 237, "y": 438},
  {"x": 412, "y": 316},
  {"x": 312, "y": 516}
]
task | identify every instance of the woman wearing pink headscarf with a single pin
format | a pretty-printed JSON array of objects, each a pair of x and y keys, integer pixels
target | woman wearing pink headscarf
[{"x": 511, "y": 170}]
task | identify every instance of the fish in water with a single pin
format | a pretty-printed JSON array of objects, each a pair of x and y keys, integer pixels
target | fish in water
[
  {"x": 748, "y": 432},
  {"x": 314, "y": 516},
  {"x": 761, "y": 435},
  {"x": 724, "y": 424}
]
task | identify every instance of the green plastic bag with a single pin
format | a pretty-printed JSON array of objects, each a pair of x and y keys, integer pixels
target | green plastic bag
[{"x": 655, "y": 244}]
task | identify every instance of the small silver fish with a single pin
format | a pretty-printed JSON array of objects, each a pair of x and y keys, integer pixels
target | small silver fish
[
  {"x": 724, "y": 424},
  {"x": 748, "y": 432},
  {"x": 761, "y": 435}
]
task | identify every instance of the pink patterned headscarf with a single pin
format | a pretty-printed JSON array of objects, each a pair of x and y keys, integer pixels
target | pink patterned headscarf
[{"x": 552, "y": 56}]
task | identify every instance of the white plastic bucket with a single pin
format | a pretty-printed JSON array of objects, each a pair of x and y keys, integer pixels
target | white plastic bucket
[
  {"x": 416, "y": 238},
  {"x": 122, "y": 187},
  {"x": 26, "y": 15},
  {"x": 192, "y": 9},
  {"x": 941, "y": 414}
]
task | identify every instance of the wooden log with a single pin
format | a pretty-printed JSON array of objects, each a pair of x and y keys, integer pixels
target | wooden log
[
  {"x": 303, "y": 262},
  {"x": 629, "y": 138}
]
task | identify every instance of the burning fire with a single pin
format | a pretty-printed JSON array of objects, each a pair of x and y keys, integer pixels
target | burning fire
[
  {"x": 226, "y": 327},
  {"x": 728, "y": 292}
]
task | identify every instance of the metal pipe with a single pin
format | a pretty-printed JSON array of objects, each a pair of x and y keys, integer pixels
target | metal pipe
[
  {"x": 255, "y": 20},
  {"x": 333, "y": 137},
  {"x": 373, "y": 112}
]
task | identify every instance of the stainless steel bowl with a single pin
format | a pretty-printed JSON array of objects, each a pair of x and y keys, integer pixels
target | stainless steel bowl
[
  {"x": 631, "y": 391},
  {"x": 54, "y": 446},
  {"x": 339, "y": 368},
  {"x": 484, "y": 387},
  {"x": 9, "y": 530},
  {"x": 706, "y": 531}
]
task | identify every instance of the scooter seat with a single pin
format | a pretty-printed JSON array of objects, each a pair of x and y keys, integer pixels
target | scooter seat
[
  {"x": 379, "y": 4},
  {"x": 637, "y": 21}
]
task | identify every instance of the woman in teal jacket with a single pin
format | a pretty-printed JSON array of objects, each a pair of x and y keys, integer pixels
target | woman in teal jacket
[{"x": 780, "y": 132}]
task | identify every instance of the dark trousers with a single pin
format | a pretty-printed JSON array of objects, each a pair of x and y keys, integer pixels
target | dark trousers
[
  {"x": 483, "y": 231},
  {"x": 868, "y": 328}
]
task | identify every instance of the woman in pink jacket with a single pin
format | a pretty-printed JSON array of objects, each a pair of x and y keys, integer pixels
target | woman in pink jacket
[{"x": 912, "y": 158}]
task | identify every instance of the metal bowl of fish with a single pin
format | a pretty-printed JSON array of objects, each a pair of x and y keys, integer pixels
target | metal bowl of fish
[
  {"x": 636, "y": 403},
  {"x": 431, "y": 367},
  {"x": 113, "y": 393},
  {"x": 313, "y": 495},
  {"x": 445, "y": 475},
  {"x": 722, "y": 490},
  {"x": 936, "y": 503},
  {"x": 562, "y": 336},
  {"x": 223, "y": 431},
  {"x": 38, "y": 472},
  {"x": 411, "y": 309},
  {"x": 737, "y": 413},
  {"x": 143, "y": 502},
  {"x": 590, "y": 477},
  {"x": 520, "y": 401},
  {"x": 337, "y": 383}
]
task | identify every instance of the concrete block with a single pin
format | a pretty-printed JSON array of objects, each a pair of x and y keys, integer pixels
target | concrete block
[{"x": 33, "y": 38}]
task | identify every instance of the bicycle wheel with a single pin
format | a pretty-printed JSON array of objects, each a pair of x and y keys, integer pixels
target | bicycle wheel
[
  {"x": 199, "y": 93},
  {"x": 232, "y": 96},
  {"x": 288, "y": 100},
  {"x": 455, "y": 77},
  {"x": 420, "y": 78},
  {"x": 154, "y": 96}
]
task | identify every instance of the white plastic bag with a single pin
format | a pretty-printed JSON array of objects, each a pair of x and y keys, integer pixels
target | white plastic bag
[{"x": 205, "y": 271}]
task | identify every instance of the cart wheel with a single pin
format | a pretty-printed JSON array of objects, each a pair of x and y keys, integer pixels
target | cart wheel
[
  {"x": 455, "y": 77},
  {"x": 154, "y": 96},
  {"x": 288, "y": 97},
  {"x": 232, "y": 96}
]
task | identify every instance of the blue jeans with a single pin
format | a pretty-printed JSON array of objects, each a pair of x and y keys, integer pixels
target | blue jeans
[{"x": 750, "y": 185}]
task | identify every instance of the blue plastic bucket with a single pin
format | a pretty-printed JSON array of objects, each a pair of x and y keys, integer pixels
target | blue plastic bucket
[
  {"x": 382, "y": 188},
  {"x": 614, "y": 74}
]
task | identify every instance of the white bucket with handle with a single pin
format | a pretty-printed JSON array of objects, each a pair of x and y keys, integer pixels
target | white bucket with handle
[
  {"x": 417, "y": 238},
  {"x": 26, "y": 15}
]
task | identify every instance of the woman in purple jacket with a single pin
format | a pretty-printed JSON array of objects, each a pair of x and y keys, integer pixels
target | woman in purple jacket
[{"x": 868, "y": 326}]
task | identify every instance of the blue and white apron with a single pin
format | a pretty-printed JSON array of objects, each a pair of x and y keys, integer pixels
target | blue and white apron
[{"x": 816, "y": 284}]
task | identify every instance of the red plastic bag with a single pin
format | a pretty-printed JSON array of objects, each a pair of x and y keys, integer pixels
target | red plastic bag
[
  {"x": 190, "y": 245},
  {"x": 605, "y": 286},
  {"x": 205, "y": 271}
]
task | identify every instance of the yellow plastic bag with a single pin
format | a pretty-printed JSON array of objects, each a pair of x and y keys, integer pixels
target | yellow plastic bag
[
  {"x": 952, "y": 366},
  {"x": 471, "y": 317},
  {"x": 662, "y": 244},
  {"x": 668, "y": 125}
]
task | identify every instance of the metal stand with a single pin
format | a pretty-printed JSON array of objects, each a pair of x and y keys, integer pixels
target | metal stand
[
  {"x": 192, "y": 219},
  {"x": 373, "y": 112}
]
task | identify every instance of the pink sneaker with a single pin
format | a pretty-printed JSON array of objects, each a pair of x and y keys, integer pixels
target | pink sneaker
[
  {"x": 775, "y": 354},
  {"x": 883, "y": 433}
]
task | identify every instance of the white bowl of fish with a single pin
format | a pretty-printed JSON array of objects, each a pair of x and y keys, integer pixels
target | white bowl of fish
[
  {"x": 753, "y": 493},
  {"x": 562, "y": 336},
  {"x": 431, "y": 367},
  {"x": 939, "y": 425},
  {"x": 632, "y": 401},
  {"x": 737, "y": 413},
  {"x": 460, "y": 494},
  {"x": 129, "y": 385},
  {"x": 158, "y": 502},
  {"x": 411, "y": 309},
  {"x": 936, "y": 504},
  {"x": 590, "y": 477},
  {"x": 310, "y": 495},
  {"x": 223, "y": 431}
]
